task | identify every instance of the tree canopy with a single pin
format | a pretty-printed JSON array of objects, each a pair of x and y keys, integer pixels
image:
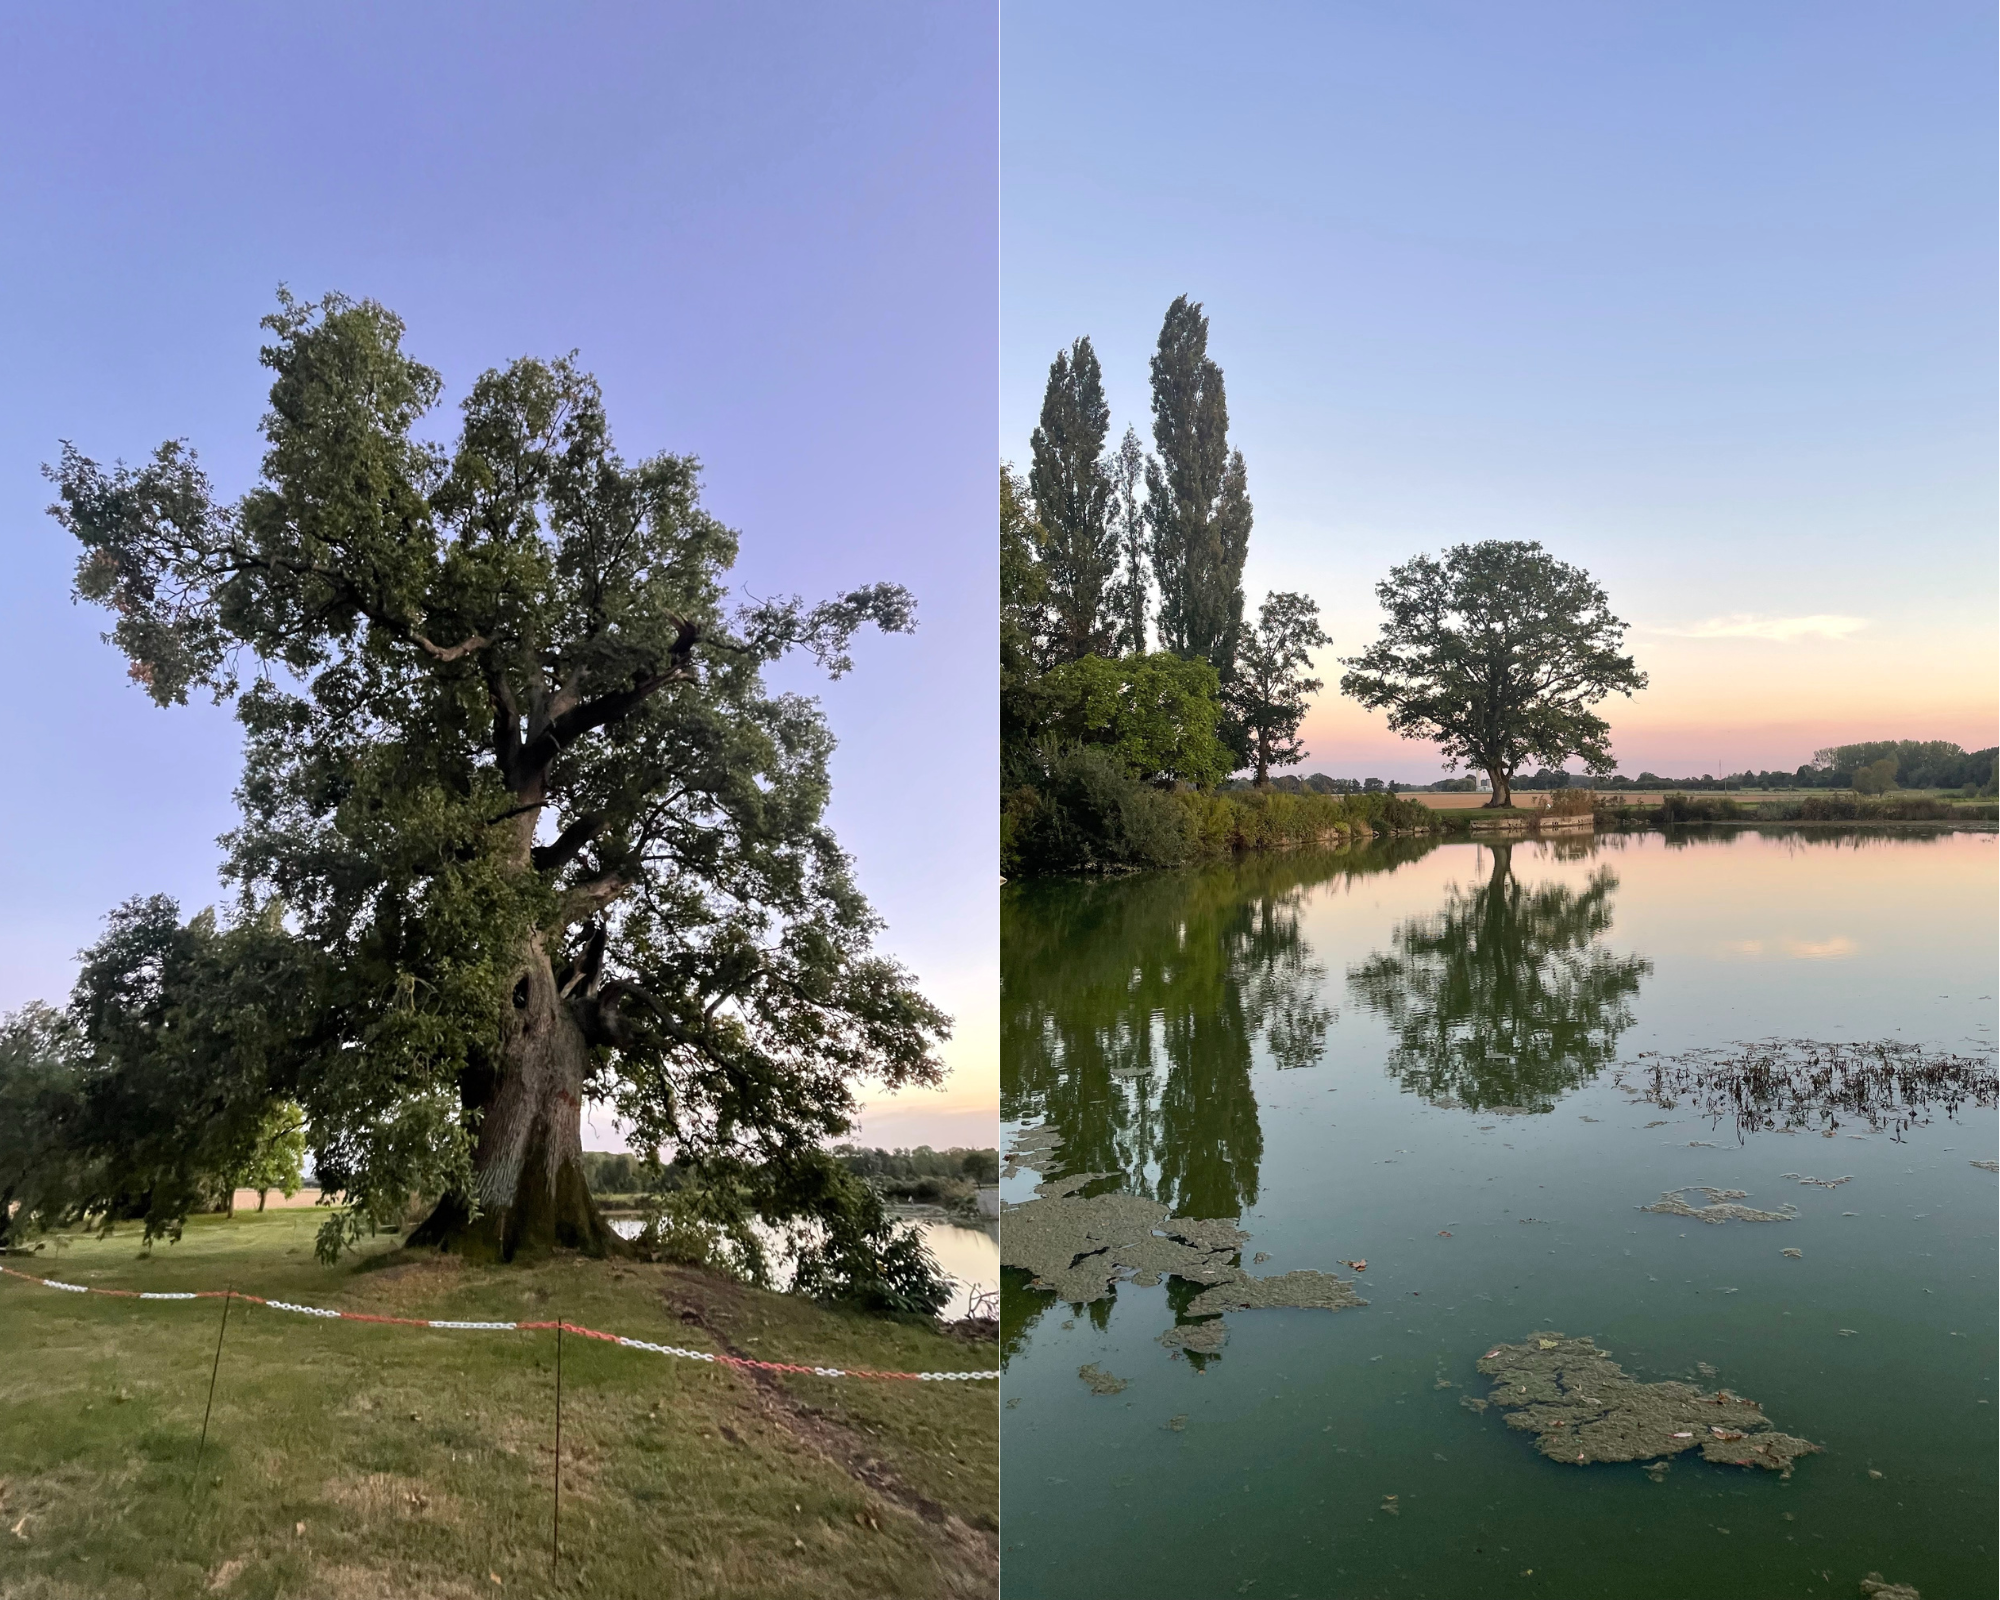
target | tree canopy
[
  {"x": 1268, "y": 695},
  {"x": 1197, "y": 496},
  {"x": 1072, "y": 495},
  {"x": 1496, "y": 651},
  {"x": 1158, "y": 713},
  {"x": 520, "y": 821},
  {"x": 1129, "y": 601}
]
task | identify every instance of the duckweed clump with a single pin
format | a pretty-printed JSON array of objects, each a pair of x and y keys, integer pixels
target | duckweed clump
[
  {"x": 1721, "y": 1207},
  {"x": 1313, "y": 1290},
  {"x": 1204, "y": 1338},
  {"x": 1034, "y": 1149},
  {"x": 1582, "y": 1407},
  {"x": 1080, "y": 1247}
]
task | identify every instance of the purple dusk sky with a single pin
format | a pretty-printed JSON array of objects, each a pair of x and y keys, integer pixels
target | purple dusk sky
[{"x": 771, "y": 232}]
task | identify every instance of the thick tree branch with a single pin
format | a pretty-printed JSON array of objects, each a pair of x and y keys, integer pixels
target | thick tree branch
[
  {"x": 454, "y": 652},
  {"x": 605, "y": 708},
  {"x": 568, "y": 843},
  {"x": 581, "y": 901}
]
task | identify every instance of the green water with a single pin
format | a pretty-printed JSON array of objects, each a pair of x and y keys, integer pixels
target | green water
[{"x": 1315, "y": 1044}]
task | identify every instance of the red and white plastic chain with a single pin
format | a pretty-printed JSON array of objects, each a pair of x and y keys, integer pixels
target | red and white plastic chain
[{"x": 505, "y": 1327}]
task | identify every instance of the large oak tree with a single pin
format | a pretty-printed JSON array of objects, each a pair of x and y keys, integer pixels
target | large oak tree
[
  {"x": 1496, "y": 651},
  {"x": 515, "y": 793}
]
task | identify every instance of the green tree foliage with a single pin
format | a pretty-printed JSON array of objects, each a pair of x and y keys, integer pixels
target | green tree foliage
[
  {"x": 1268, "y": 695},
  {"x": 1913, "y": 764},
  {"x": 278, "y": 1159},
  {"x": 1877, "y": 777},
  {"x": 976, "y": 1166},
  {"x": 537, "y": 829},
  {"x": 1023, "y": 612},
  {"x": 41, "y": 1175},
  {"x": 189, "y": 1039},
  {"x": 1157, "y": 713},
  {"x": 1129, "y": 595},
  {"x": 1072, "y": 495},
  {"x": 1507, "y": 996},
  {"x": 1085, "y": 812},
  {"x": 1496, "y": 652},
  {"x": 1197, "y": 497}
]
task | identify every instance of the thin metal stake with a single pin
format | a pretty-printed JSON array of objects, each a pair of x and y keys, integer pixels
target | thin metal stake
[
  {"x": 555, "y": 1537},
  {"x": 228, "y": 1295}
]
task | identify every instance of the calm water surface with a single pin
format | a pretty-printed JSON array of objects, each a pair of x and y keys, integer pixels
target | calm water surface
[
  {"x": 968, "y": 1253},
  {"x": 1317, "y": 1044}
]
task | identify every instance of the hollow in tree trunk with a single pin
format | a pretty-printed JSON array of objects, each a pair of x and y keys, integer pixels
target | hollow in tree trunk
[{"x": 528, "y": 1159}]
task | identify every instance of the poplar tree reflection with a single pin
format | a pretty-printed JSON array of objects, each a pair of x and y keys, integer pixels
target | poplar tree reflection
[
  {"x": 1131, "y": 1011},
  {"x": 1130, "y": 1016},
  {"x": 1505, "y": 997}
]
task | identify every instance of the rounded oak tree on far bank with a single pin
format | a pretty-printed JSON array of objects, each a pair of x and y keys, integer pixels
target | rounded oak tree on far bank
[{"x": 1496, "y": 652}]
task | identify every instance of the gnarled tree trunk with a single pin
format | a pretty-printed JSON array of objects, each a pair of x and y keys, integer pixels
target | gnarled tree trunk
[
  {"x": 528, "y": 1160},
  {"x": 1503, "y": 789}
]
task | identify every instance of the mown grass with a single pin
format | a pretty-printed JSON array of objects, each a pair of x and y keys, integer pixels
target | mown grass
[{"x": 350, "y": 1460}]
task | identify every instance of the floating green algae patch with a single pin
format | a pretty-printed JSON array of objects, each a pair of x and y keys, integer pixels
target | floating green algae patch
[
  {"x": 1034, "y": 1149},
  {"x": 1079, "y": 1247},
  {"x": 1204, "y": 1338},
  {"x": 1721, "y": 1207},
  {"x": 1100, "y": 1381},
  {"x": 1312, "y": 1290},
  {"x": 1876, "y": 1587},
  {"x": 1582, "y": 1407}
]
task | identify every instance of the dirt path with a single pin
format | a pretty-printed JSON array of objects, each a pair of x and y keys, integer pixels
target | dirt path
[{"x": 968, "y": 1557}]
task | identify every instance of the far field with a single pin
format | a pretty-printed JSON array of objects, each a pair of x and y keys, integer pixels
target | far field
[{"x": 346, "y": 1460}]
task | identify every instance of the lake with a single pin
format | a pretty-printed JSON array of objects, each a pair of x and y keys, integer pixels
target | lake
[
  {"x": 1431, "y": 1057},
  {"x": 966, "y": 1252}
]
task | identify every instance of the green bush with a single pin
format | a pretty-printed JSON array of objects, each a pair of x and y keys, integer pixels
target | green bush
[
  {"x": 1158, "y": 713},
  {"x": 1090, "y": 814}
]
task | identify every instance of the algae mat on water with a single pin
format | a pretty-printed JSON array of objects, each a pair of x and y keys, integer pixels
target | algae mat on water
[{"x": 1582, "y": 1407}]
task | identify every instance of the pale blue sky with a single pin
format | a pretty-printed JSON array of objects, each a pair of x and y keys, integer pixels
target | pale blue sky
[
  {"x": 1699, "y": 294},
  {"x": 769, "y": 229}
]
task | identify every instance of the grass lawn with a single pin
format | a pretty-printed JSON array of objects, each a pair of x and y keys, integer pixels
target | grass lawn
[{"x": 347, "y": 1460}]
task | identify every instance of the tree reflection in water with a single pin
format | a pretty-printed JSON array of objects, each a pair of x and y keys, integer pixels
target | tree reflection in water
[
  {"x": 1130, "y": 1011},
  {"x": 1130, "y": 1014},
  {"x": 1505, "y": 997}
]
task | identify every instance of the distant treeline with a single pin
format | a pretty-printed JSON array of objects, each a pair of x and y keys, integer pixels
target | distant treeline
[
  {"x": 1912, "y": 764},
  {"x": 981, "y": 1166},
  {"x": 1677, "y": 810}
]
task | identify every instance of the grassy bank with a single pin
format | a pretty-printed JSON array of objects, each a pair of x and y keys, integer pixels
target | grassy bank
[
  {"x": 348, "y": 1460},
  {"x": 1091, "y": 816}
]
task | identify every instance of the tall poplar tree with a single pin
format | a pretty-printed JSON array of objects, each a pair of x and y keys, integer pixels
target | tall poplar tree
[
  {"x": 1128, "y": 519},
  {"x": 1072, "y": 493},
  {"x": 1197, "y": 497}
]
